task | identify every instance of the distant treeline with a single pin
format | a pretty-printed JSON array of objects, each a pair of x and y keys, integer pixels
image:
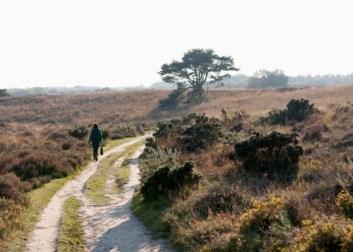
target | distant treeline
[
  {"x": 241, "y": 80},
  {"x": 66, "y": 90},
  {"x": 236, "y": 81}
]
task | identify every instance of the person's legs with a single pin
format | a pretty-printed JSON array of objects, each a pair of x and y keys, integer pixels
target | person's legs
[
  {"x": 95, "y": 150},
  {"x": 94, "y": 154}
]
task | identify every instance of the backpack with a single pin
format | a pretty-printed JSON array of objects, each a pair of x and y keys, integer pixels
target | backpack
[{"x": 95, "y": 136}]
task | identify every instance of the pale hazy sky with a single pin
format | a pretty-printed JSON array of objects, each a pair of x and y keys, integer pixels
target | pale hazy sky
[{"x": 124, "y": 43}]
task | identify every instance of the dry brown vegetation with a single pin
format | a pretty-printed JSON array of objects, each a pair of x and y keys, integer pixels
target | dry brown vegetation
[
  {"x": 235, "y": 209},
  {"x": 142, "y": 106},
  {"x": 35, "y": 148}
]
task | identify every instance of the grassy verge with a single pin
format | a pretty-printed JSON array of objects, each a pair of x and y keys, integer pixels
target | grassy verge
[
  {"x": 71, "y": 236},
  {"x": 97, "y": 183},
  {"x": 39, "y": 198},
  {"x": 151, "y": 212}
]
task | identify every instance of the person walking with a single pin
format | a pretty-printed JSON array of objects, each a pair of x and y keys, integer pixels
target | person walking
[{"x": 96, "y": 138}]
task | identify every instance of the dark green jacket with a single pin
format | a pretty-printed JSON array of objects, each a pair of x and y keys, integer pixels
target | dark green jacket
[{"x": 100, "y": 136}]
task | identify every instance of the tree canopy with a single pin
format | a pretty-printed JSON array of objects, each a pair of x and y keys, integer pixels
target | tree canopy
[
  {"x": 197, "y": 68},
  {"x": 264, "y": 79}
]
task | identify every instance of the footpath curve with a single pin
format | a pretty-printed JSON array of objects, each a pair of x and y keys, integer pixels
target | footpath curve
[
  {"x": 114, "y": 227},
  {"x": 43, "y": 238}
]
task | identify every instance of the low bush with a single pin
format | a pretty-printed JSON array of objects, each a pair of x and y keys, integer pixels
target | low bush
[
  {"x": 156, "y": 158},
  {"x": 201, "y": 135},
  {"x": 11, "y": 187},
  {"x": 79, "y": 131},
  {"x": 315, "y": 131},
  {"x": 168, "y": 130},
  {"x": 325, "y": 235},
  {"x": 297, "y": 110},
  {"x": 139, "y": 129},
  {"x": 39, "y": 166},
  {"x": 165, "y": 180},
  {"x": 117, "y": 136},
  {"x": 11, "y": 217},
  {"x": 66, "y": 145},
  {"x": 125, "y": 129},
  {"x": 347, "y": 139},
  {"x": 56, "y": 135},
  {"x": 150, "y": 144},
  {"x": 265, "y": 225},
  {"x": 220, "y": 198},
  {"x": 345, "y": 203},
  {"x": 234, "y": 120},
  {"x": 345, "y": 107},
  {"x": 106, "y": 133},
  {"x": 276, "y": 153},
  {"x": 27, "y": 134}
]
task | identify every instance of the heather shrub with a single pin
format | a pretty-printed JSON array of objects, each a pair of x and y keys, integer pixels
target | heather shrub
[
  {"x": 36, "y": 163},
  {"x": 167, "y": 130},
  {"x": 27, "y": 134},
  {"x": 66, "y": 145},
  {"x": 156, "y": 158},
  {"x": 78, "y": 156},
  {"x": 139, "y": 129},
  {"x": 201, "y": 135},
  {"x": 70, "y": 143},
  {"x": 344, "y": 107},
  {"x": 234, "y": 120},
  {"x": 325, "y": 235},
  {"x": 37, "y": 182},
  {"x": 10, "y": 217},
  {"x": 347, "y": 139},
  {"x": 117, "y": 136},
  {"x": 297, "y": 110},
  {"x": 11, "y": 187},
  {"x": 276, "y": 153},
  {"x": 79, "y": 131},
  {"x": 57, "y": 135},
  {"x": 314, "y": 132},
  {"x": 125, "y": 129},
  {"x": 166, "y": 180},
  {"x": 345, "y": 203},
  {"x": 7, "y": 147},
  {"x": 220, "y": 198},
  {"x": 106, "y": 133}
]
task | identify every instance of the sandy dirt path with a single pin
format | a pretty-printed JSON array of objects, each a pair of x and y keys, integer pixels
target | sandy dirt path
[
  {"x": 44, "y": 236},
  {"x": 114, "y": 227}
]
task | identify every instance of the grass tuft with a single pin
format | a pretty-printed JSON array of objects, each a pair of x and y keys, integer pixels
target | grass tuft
[{"x": 71, "y": 236}]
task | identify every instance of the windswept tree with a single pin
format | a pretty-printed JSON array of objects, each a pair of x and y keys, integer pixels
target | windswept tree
[
  {"x": 197, "y": 68},
  {"x": 264, "y": 79}
]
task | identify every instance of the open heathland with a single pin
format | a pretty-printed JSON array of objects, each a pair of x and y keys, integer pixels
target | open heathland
[
  {"x": 35, "y": 162},
  {"x": 143, "y": 106},
  {"x": 252, "y": 182},
  {"x": 265, "y": 169}
]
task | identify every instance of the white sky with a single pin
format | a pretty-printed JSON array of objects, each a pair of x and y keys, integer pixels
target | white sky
[{"x": 124, "y": 43}]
